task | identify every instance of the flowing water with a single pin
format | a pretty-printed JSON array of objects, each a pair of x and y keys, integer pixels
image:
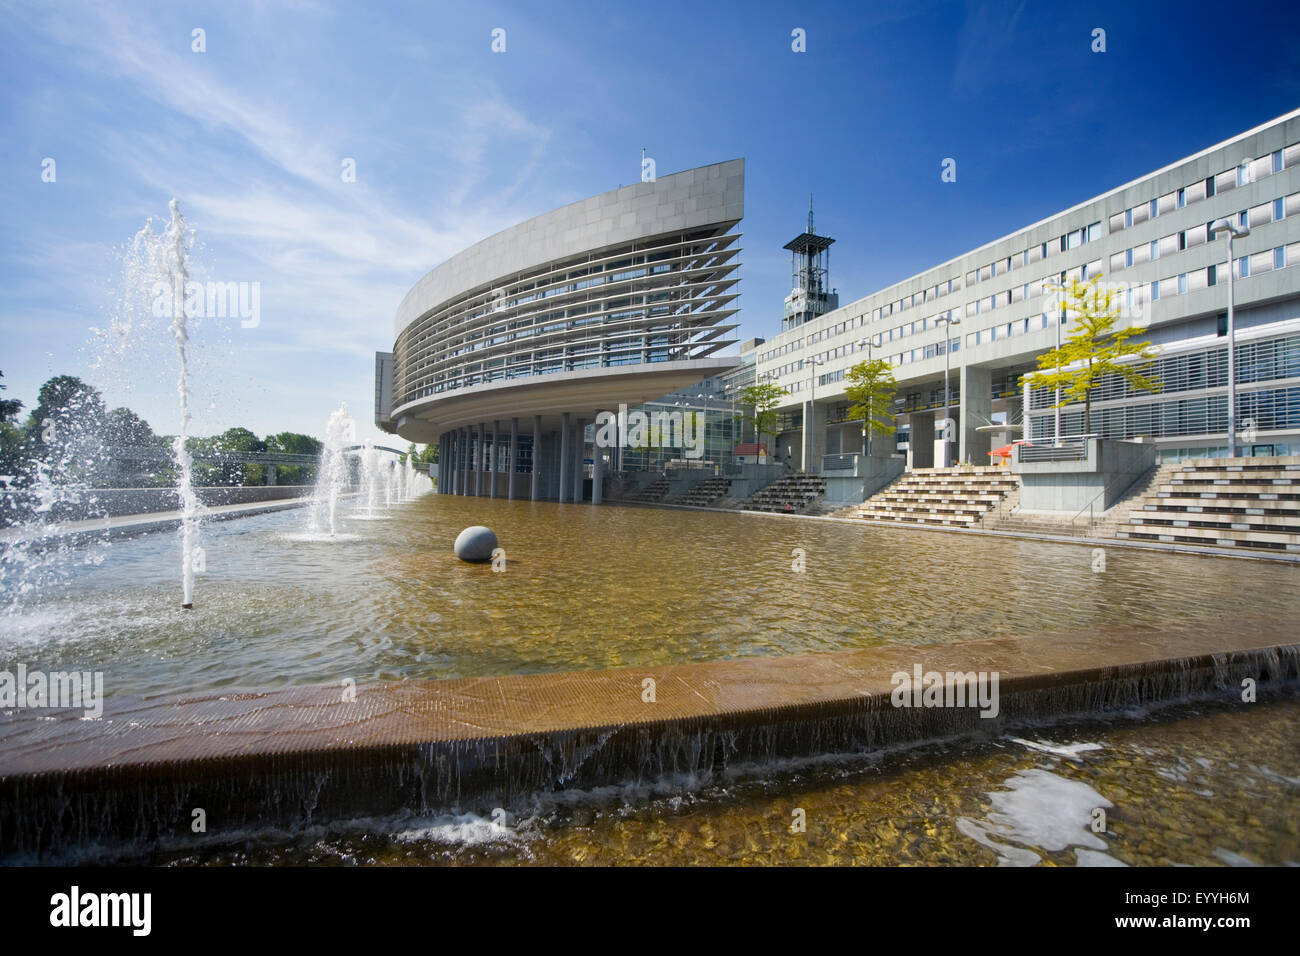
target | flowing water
[{"x": 1196, "y": 785}]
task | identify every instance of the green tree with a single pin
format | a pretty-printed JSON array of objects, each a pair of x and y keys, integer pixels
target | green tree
[
  {"x": 66, "y": 428},
  {"x": 294, "y": 443},
  {"x": 1094, "y": 349},
  {"x": 9, "y": 407},
  {"x": 236, "y": 441},
  {"x": 871, "y": 387},
  {"x": 763, "y": 398},
  {"x": 14, "y": 458},
  {"x": 123, "y": 428}
]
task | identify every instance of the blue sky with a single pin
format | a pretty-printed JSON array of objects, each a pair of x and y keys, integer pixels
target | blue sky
[{"x": 453, "y": 142}]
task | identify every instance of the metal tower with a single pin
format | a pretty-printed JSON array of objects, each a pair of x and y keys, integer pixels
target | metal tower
[{"x": 810, "y": 267}]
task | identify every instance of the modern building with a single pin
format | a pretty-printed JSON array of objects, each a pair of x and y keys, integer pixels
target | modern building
[
  {"x": 988, "y": 315},
  {"x": 507, "y": 351}
]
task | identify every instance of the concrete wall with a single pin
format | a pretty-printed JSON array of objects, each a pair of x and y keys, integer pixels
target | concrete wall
[
  {"x": 113, "y": 502},
  {"x": 1071, "y": 486},
  {"x": 868, "y": 476}
]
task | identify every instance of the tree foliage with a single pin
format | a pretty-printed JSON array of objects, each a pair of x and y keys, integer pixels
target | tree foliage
[
  {"x": 763, "y": 398},
  {"x": 871, "y": 388},
  {"x": 1095, "y": 348}
]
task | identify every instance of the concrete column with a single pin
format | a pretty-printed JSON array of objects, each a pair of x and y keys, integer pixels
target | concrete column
[
  {"x": 537, "y": 455},
  {"x": 922, "y": 439},
  {"x": 597, "y": 473},
  {"x": 579, "y": 453},
  {"x": 512, "y": 465},
  {"x": 481, "y": 431},
  {"x": 462, "y": 459},
  {"x": 493, "y": 467},
  {"x": 565, "y": 452},
  {"x": 976, "y": 410}
]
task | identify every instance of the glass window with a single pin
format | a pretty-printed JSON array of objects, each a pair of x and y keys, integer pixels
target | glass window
[
  {"x": 1094, "y": 232},
  {"x": 1243, "y": 219},
  {"x": 1182, "y": 283},
  {"x": 1128, "y": 257},
  {"x": 1277, "y": 160},
  {"x": 1212, "y": 275},
  {"x": 1155, "y": 248},
  {"x": 1044, "y": 251},
  {"x": 1209, "y": 232},
  {"x": 1155, "y": 290},
  {"x": 1182, "y": 198},
  {"x": 1128, "y": 218},
  {"x": 1182, "y": 241},
  {"x": 1279, "y": 209},
  {"x": 1154, "y": 208},
  {"x": 1243, "y": 174},
  {"x": 1279, "y": 257},
  {"x": 1209, "y": 186},
  {"x": 1243, "y": 267}
]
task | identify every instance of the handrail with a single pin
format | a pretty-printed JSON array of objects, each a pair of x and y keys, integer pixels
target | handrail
[{"x": 1088, "y": 507}]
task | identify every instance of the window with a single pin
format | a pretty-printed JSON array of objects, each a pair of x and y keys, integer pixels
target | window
[
  {"x": 1182, "y": 283},
  {"x": 1222, "y": 324},
  {"x": 1024, "y": 260},
  {"x": 1044, "y": 251},
  {"x": 1155, "y": 209},
  {"x": 1182, "y": 198},
  {"x": 1277, "y": 160},
  {"x": 1243, "y": 218},
  {"x": 1279, "y": 209},
  {"x": 1182, "y": 241},
  {"x": 1094, "y": 232},
  {"x": 1212, "y": 275},
  {"x": 1128, "y": 257},
  {"x": 1128, "y": 218},
  {"x": 1155, "y": 290},
  {"x": 1279, "y": 257},
  {"x": 1243, "y": 174},
  {"x": 1209, "y": 187},
  {"x": 1209, "y": 231},
  {"x": 1243, "y": 267},
  {"x": 1155, "y": 248}
]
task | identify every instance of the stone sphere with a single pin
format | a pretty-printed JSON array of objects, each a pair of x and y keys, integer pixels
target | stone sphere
[{"x": 476, "y": 544}]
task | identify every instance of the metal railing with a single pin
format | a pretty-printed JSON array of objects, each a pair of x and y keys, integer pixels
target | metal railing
[
  {"x": 840, "y": 462},
  {"x": 1070, "y": 448}
]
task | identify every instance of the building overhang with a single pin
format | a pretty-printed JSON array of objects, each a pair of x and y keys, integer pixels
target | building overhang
[{"x": 582, "y": 392}]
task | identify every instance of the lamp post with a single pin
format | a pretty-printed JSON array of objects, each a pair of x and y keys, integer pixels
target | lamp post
[
  {"x": 1234, "y": 232},
  {"x": 946, "y": 321},
  {"x": 866, "y": 425}
]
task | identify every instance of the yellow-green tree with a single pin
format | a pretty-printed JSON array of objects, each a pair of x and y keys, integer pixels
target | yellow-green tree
[
  {"x": 871, "y": 387},
  {"x": 1095, "y": 348},
  {"x": 763, "y": 399}
]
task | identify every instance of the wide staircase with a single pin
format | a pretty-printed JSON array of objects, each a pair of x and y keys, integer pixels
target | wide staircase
[
  {"x": 655, "y": 491},
  {"x": 705, "y": 493},
  {"x": 1222, "y": 502},
  {"x": 956, "y": 497},
  {"x": 1085, "y": 524},
  {"x": 793, "y": 494}
]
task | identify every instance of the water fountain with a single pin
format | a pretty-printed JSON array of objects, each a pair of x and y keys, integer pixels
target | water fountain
[{"x": 332, "y": 478}]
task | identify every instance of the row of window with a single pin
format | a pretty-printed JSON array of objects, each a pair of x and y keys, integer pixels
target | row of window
[{"x": 1246, "y": 173}]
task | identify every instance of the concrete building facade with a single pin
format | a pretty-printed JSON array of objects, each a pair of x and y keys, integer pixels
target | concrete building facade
[
  {"x": 989, "y": 314},
  {"x": 506, "y": 352}
]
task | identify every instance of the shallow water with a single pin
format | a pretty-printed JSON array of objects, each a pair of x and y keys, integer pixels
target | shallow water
[
  {"x": 1200, "y": 785},
  {"x": 583, "y": 587}
]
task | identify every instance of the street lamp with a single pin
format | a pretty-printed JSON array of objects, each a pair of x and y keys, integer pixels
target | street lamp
[
  {"x": 868, "y": 343},
  {"x": 946, "y": 321},
  {"x": 1234, "y": 232}
]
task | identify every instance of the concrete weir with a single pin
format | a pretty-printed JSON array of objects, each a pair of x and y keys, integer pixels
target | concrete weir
[{"x": 285, "y": 758}]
